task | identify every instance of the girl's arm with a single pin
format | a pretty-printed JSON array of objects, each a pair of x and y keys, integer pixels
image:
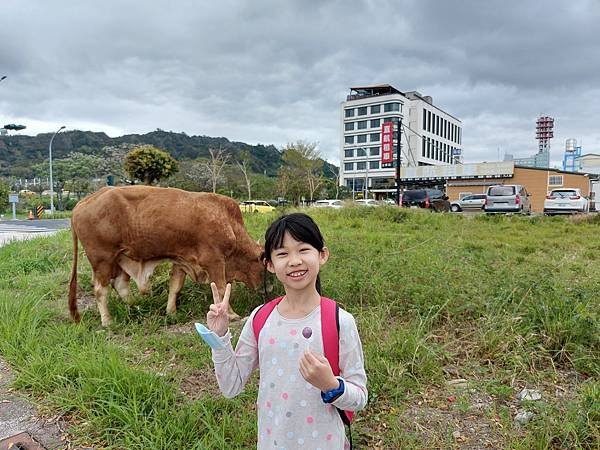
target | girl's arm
[
  {"x": 352, "y": 366},
  {"x": 233, "y": 368}
]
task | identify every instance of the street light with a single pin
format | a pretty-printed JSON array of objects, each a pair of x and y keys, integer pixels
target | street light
[{"x": 51, "y": 183}]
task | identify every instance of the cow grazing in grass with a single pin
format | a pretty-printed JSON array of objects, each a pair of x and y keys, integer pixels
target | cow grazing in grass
[{"x": 127, "y": 231}]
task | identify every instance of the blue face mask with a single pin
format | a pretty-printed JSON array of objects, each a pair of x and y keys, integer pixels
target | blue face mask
[{"x": 210, "y": 337}]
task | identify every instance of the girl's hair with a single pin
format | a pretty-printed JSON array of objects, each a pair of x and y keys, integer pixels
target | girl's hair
[{"x": 301, "y": 227}]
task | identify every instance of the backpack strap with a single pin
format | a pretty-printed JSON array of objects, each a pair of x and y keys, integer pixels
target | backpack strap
[
  {"x": 330, "y": 328},
  {"x": 261, "y": 316}
]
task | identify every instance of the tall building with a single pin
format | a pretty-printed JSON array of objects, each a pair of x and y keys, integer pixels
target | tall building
[{"x": 430, "y": 136}]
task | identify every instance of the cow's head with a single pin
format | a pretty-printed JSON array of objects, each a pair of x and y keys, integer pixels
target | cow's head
[{"x": 248, "y": 267}]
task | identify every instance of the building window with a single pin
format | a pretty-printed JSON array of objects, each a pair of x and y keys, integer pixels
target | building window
[
  {"x": 374, "y": 151},
  {"x": 348, "y": 167},
  {"x": 373, "y": 164},
  {"x": 423, "y": 147},
  {"x": 362, "y": 111},
  {"x": 349, "y": 126},
  {"x": 349, "y": 112},
  {"x": 424, "y": 118},
  {"x": 374, "y": 137},
  {"x": 375, "y": 109},
  {"x": 362, "y": 165},
  {"x": 375, "y": 123},
  {"x": 349, "y": 153},
  {"x": 555, "y": 180},
  {"x": 349, "y": 139},
  {"x": 361, "y": 152},
  {"x": 362, "y": 125},
  {"x": 429, "y": 121},
  {"x": 394, "y": 120},
  {"x": 389, "y": 107},
  {"x": 361, "y": 138}
]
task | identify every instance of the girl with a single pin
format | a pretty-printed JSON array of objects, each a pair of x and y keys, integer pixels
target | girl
[{"x": 299, "y": 395}]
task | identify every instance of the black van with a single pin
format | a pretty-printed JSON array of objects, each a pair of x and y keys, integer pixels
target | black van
[{"x": 432, "y": 199}]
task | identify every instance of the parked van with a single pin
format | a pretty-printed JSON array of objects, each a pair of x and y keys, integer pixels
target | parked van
[{"x": 505, "y": 198}]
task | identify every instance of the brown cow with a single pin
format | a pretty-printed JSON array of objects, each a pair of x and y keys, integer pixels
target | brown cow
[{"x": 127, "y": 231}]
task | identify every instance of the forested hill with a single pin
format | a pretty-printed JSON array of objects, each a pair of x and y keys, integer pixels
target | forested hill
[{"x": 19, "y": 153}]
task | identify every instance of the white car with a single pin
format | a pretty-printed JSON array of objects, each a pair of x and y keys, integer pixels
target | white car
[
  {"x": 565, "y": 201},
  {"x": 367, "y": 202},
  {"x": 328, "y": 204}
]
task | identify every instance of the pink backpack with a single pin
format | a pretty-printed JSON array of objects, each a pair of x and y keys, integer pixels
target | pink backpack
[{"x": 330, "y": 328}]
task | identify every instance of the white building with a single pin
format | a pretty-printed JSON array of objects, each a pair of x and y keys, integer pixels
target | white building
[
  {"x": 589, "y": 163},
  {"x": 430, "y": 136}
]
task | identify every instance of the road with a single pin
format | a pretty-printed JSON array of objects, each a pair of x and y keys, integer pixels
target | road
[{"x": 17, "y": 230}]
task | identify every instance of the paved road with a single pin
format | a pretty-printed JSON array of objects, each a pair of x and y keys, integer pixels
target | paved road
[{"x": 17, "y": 230}]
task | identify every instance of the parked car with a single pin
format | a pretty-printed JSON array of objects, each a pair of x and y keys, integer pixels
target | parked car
[
  {"x": 565, "y": 201},
  {"x": 505, "y": 198},
  {"x": 468, "y": 202},
  {"x": 260, "y": 206},
  {"x": 366, "y": 202},
  {"x": 432, "y": 199},
  {"x": 328, "y": 204}
]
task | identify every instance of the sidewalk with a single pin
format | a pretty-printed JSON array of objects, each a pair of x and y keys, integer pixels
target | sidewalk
[{"x": 17, "y": 416}]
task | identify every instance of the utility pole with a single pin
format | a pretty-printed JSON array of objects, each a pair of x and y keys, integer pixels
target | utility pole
[{"x": 398, "y": 161}]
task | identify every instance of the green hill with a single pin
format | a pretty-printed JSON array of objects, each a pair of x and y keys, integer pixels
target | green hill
[{"x": 18, "y": 153}]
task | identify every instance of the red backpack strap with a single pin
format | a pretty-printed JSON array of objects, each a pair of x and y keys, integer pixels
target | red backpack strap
[
  {"x": 262, "y": 315},
  {"x": 330, "y": 329}
]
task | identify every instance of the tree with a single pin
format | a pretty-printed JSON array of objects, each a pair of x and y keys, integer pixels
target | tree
[
  {"x": 4, "y": 191},
  {"x": 218, "y": 160},
  {"x": 244, "y": 166},
  {"x": 304, "y": 164},
  {"x": 113, "y": 160},
  {"x": 75, "y": 171},
  {"x": 149, "y": 164}
]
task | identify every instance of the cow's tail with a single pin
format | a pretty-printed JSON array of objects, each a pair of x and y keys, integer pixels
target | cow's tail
[{"x": 73, "y": 310}]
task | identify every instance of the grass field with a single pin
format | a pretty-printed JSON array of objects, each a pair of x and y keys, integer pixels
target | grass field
[{"x": 457, "y": 315}]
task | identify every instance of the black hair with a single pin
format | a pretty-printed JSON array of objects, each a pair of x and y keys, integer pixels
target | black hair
[{"x": 301, "y": 227}]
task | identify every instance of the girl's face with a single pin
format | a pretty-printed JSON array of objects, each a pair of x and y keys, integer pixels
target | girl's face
[{"x": 296, "y": 264}]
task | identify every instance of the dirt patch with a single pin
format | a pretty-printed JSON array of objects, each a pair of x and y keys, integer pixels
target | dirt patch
[{"x": 199, "y": 384}]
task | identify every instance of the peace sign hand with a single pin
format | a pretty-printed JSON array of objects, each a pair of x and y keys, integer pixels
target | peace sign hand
[{"x": 217, "y": 318}]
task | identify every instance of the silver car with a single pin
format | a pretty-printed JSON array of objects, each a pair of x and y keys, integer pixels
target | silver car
[
  {"x": 468, "y": 202},
  {"x": 506, "y": 198}
]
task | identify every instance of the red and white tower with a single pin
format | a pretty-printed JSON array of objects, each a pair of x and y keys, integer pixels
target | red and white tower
[{"x": 544, "y": 131}]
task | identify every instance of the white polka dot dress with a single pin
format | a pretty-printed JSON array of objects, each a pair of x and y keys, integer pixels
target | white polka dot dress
[{"x": 291, "y": 413}]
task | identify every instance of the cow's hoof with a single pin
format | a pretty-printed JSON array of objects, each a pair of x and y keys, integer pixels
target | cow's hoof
[
  {"x": 171, "y": 311},
  {"x": 106, "y": 323}
]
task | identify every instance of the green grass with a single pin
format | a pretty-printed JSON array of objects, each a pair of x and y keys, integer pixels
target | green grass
[{"x": 501, "y": 301}]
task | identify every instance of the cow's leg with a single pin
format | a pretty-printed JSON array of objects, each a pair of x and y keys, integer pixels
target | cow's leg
[
  {"x": 121, "y": 285},
  {"x": 175, "y": 285},
  {"x": 103, "y": 271},
  {"x": 102, "y": 276}
]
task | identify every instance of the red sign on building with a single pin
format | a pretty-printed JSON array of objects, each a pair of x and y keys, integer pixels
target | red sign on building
[{"x": 387, "y": 143}]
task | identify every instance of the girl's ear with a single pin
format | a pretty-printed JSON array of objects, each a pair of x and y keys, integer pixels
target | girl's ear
[
  {"x": 269, "y": 266},
  {"x": 323, "y": 255}
]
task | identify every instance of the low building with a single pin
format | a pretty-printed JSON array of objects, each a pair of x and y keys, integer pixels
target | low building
[{"x": 465, "y": 179}]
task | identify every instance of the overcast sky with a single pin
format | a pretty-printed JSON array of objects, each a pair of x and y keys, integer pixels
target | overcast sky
[{"x": 276, "y": 71}]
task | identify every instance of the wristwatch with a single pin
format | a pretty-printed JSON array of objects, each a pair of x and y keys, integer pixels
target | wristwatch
[{"x": 331, "y": 395}]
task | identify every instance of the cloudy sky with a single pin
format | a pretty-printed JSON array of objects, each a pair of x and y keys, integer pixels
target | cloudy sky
[{"x": 275, "y": 71}]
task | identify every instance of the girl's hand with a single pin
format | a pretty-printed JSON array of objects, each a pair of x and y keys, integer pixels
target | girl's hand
[
  {"x": 316, "y": 370},
  {"x": 217, "y": 318}
]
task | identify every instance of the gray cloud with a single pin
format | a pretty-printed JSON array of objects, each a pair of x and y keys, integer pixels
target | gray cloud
[{"x": 274, "y": 72}]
